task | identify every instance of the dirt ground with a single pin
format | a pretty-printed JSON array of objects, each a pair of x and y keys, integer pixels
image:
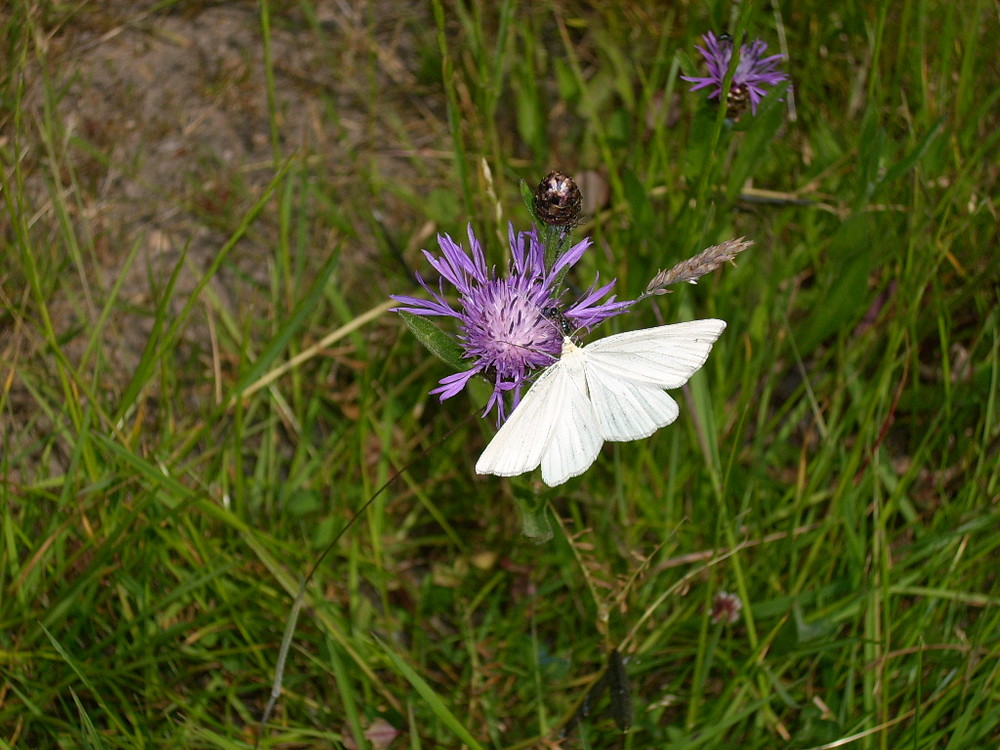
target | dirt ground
[{"x": 165, "y": 144}]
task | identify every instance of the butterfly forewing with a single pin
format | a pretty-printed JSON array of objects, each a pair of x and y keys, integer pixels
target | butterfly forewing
[
  {"x": 666, "y": 356},
  {"x": 576, "y": 439},
  {"x": 518, "y": 445}
]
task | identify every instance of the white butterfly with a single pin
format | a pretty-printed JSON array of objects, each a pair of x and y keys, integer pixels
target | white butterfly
[{"x": 610, "y": 389}]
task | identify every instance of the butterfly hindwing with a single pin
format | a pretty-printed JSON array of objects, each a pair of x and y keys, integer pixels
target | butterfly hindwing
[{"x": 624, "y": 409}]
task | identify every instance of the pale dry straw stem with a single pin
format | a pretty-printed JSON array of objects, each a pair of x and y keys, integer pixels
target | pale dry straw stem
[{"x": 315, "y": 349}]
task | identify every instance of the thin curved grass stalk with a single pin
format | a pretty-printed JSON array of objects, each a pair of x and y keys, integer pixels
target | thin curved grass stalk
[{"x": 293, "y": 616}]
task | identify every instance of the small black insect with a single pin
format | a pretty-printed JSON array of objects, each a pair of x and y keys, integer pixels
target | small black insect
[
  {"x": 558, "y": 200},
  {"x": 556, "y": 316},
  {"x": 727, "y": 38}
]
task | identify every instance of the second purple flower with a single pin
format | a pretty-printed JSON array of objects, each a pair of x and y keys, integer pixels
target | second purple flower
[{"x": 754, "y": 73}]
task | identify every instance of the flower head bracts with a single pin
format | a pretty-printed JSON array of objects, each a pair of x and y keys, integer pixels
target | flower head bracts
[
  {"x": 501, "y": 319},
  {"x": 753, "y": 73}
]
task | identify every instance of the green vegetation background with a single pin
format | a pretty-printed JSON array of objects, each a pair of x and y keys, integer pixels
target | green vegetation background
[{"x": 199, "y": 378}]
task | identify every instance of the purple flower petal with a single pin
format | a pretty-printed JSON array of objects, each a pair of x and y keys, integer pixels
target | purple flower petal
[
  {"x": 571, "y": 256},
  {"x": 754, "y": 73},
  {"x": 452, "y": 385},
  {"x": 502, "y": 324}
]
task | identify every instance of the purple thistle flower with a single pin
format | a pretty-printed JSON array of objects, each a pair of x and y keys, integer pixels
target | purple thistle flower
[
  {"x": 502, "y": 321},
  {"x": 753, "y": 71}
]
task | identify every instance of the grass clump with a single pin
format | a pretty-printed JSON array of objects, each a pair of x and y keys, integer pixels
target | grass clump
[{"x": 205, "y": 209}]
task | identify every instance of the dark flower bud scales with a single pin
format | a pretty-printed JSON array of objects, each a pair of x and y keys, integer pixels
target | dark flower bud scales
[
  {"x": 558, "y": 200},
  {"x": 737, "y": 101}
]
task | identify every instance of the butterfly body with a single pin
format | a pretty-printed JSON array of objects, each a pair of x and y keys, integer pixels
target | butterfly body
[{"x": 609, "y": 390}]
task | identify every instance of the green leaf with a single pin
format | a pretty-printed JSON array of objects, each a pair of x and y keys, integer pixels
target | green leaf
[
  {"x": 697, "y": 156},
  {"x": 442, "y": 208},
  {"x": 528, "y": 196},
  {"x": 530, "y": 114},
  {"x": 640, "y": 207},
  {"x": 535, "y": 524},
  {"x": 566, "y": 82},
  {"x": 910, "y": 160},
  {"x": 437, "y": 342},
  {"x": 620, "y": 127},
  {"x": 852, "y": 255},
  {"x": 304, "y": 502},
  {"x": 760, "y": 132}
]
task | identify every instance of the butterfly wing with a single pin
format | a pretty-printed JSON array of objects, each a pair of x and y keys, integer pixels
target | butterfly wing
[
  {"x": 576, "y": 440},
  {"x": 625, "y": 410},
  {"x": 553, "y": 427},
  {"x": 627, "y": 373},
  {"x": 665, "y": 356},
  {"x": 518, "y": 445},
  {"x": 611, "y": 389}
]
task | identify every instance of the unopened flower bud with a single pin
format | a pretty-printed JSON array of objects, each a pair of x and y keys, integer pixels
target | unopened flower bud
[
  {"x": 737, "y": 101},
  {"x": 558, "y": 200}
]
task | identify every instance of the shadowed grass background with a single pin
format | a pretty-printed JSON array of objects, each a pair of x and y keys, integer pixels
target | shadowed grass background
[{"x": 205, "y": 208}]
